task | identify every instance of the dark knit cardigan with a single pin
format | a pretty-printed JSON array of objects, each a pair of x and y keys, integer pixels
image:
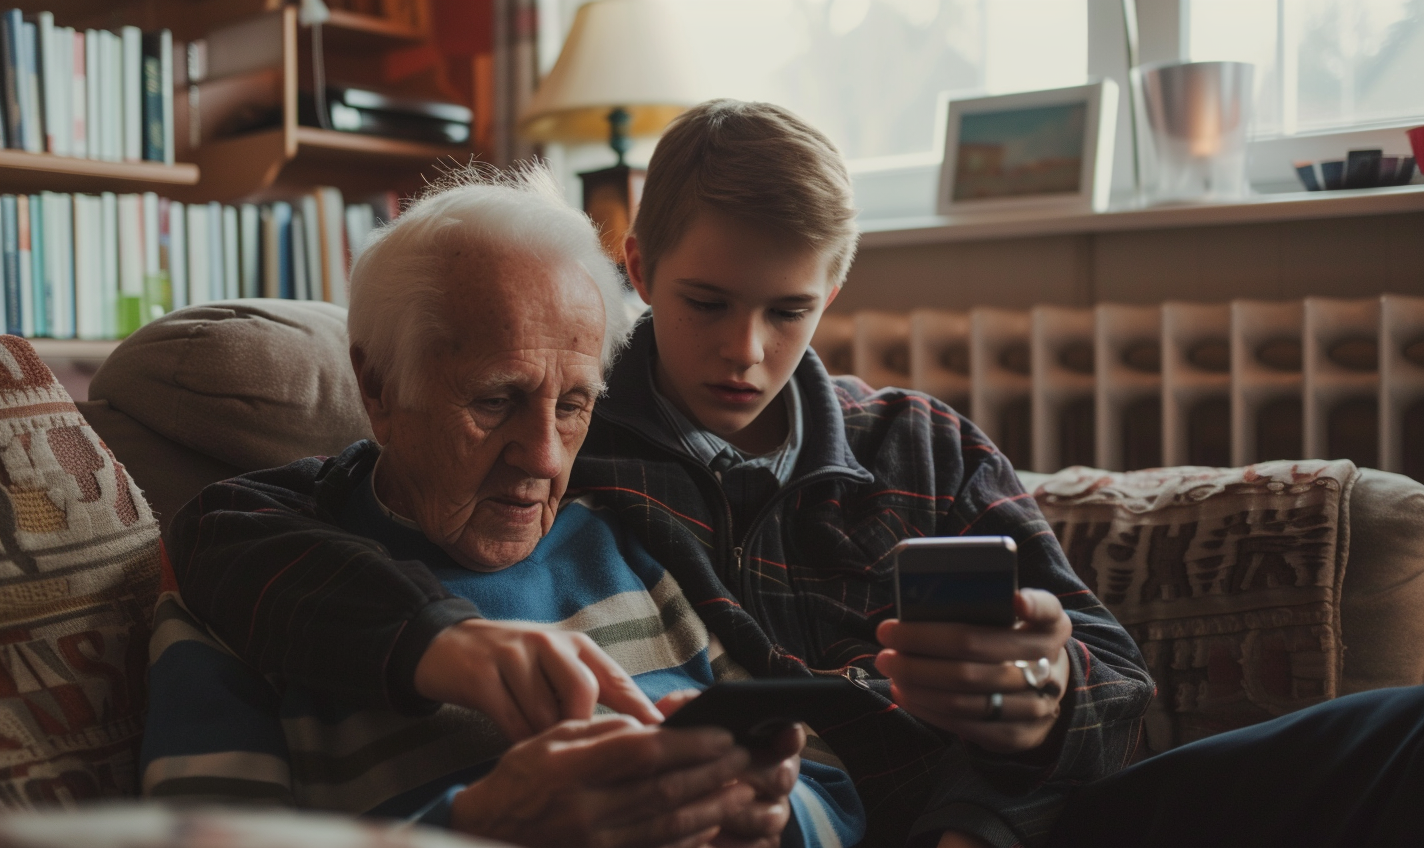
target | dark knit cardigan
[{"x": 261, "y": 559}]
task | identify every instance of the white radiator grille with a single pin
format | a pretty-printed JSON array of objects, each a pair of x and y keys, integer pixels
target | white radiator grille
[{"x": 1125, "y": 387}]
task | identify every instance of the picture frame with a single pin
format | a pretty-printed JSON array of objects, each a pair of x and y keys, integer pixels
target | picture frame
[{"x": 1033, "y": 150}]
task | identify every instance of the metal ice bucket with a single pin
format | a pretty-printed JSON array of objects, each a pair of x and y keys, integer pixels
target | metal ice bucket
[{"x": 1199, "y": 113}]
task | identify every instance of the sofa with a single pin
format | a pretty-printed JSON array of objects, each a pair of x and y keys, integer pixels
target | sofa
[{"x": 1253, "y": 592}]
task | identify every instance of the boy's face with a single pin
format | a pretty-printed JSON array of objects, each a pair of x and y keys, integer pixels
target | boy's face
[{"x": 735, "y": 307}]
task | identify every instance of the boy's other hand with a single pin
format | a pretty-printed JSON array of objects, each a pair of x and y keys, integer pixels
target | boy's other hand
[
  {"x": 526, "y": 678},
  {"x": 947, "y": 674},
  {"x": 610, "y": 782}
]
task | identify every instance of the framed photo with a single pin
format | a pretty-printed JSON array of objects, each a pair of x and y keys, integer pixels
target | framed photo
[{"x": 1036, "y": 149}]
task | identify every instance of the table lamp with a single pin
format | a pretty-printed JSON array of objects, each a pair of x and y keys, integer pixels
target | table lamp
[{"x": 625, "y": 71}]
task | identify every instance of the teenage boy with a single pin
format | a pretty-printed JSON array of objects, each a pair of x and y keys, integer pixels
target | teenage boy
[{"x": 773, "y": 494}]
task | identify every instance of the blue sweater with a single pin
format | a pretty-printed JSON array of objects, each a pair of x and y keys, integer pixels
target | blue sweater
[{"x": 218, "y": 730}]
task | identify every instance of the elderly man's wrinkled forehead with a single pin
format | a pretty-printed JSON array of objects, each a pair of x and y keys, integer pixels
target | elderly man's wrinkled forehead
[{"x": 511, "y": 298}]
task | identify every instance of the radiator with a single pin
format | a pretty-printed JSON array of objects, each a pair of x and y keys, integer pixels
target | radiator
[{"x": 1125, "y": 386}]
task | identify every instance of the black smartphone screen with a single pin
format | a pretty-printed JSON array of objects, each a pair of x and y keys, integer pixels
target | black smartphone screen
[
  {"x": 970, "y": 580},
  {"x": 754, "y": 710}
]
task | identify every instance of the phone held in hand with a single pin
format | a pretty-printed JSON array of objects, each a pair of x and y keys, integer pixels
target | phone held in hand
[
  {"x": 966, "y": 579},
  {"x": 755, "y": 710}
]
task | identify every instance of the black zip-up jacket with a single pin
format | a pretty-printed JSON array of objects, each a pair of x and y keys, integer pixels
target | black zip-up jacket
[{"x": 261, "y": 559}]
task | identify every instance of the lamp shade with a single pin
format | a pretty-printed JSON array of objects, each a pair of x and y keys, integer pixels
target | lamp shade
[{"x": 628, "y": 54}]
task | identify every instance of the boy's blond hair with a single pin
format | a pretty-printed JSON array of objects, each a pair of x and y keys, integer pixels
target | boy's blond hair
[{"x": 753, "y": 162}]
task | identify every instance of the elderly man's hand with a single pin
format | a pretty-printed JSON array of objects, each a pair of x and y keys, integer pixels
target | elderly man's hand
[
  {"x": 772, "y": 775},
  {"x": 947, "y": 674},
  {"x": 525, "y": 677},
  {"x": 609, "y": 782}
]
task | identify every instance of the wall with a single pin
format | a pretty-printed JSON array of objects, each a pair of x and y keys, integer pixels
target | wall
[{"x": 1339, "y": 257}]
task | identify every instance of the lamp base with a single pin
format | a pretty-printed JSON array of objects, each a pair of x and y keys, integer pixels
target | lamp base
[{"x": 610, "y": 198}]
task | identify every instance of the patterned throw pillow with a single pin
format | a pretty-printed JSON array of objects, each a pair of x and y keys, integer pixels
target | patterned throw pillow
[
  {"x": 78, "y": 580},
  {"x": 1229, "y": 579}
]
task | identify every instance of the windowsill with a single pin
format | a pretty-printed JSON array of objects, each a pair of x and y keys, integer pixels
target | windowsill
[{"x": 1257, "y": 209}]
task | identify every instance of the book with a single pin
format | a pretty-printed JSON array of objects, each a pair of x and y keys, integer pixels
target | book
[
  {"x": 111, "y": 62},
  {"x": 155, "y": 279},
  {"x": 27, "y": 267},
  {"x": 39, "y": 278},
  {"x": 311, "y": 229},
  {"x": 300, "y": 290},
  {"x": 165, "y": 81},
  {"x": 10, "y": 264},
  {"x": 360, "y": 220},
  {"x": 79, "y": 97},
  {"x": 59, "y": 262},
  {"x": 250, "y": 236},
  {"x": 93, "y": 72},
  {"x": 63, "y": 134},
  {"x": 30, "y": 99},
  {"x": 332, "y": 211},
  {"x": 47, "y": 64},
  {"x": 131, "y": 264},
  {"x": 131, "y": 70},
  {"x": 165, "y": 259},
  {"x": 280, "y": 267},
  {"x": 152, "y": 81},
  {"x": 178, "y": 253},
  {"x": 109, "y": 228},
  {"x": 90, "y": 322},
  {"x": 232, "y": 259},
  {"x": 217, "y": 285},
  {"x": 10, "y": 32},
  {"x": 199, "y": 269}
]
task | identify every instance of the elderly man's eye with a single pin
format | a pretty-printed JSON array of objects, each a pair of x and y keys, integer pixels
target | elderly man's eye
[{"x": 494, "y": 404}]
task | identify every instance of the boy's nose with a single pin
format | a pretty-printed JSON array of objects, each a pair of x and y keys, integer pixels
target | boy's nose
[{"x": 743, "y": 346}]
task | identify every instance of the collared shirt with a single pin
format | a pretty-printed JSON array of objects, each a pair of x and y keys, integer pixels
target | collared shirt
[{"x": 748, "y": 482}]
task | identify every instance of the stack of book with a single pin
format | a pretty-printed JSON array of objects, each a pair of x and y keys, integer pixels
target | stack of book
[
  {"x": 100, "y": 266},
  {"x": 93, "y": 94}
]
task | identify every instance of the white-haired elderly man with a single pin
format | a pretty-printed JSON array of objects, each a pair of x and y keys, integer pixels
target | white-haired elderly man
[{"x": 481, "y": 323}]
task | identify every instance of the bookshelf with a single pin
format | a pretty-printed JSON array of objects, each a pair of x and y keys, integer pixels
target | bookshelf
[{"x": 240, "y": 144}]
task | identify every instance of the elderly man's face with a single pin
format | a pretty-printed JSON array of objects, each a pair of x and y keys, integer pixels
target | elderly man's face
[{"x": 481, "y": 462}]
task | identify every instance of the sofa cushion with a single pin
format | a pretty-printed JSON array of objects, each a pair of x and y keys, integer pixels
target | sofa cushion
[
  {"x": 78, "y": 580},
  {"x": 1228, "y": 579},
  {"x": 251, "y": 383}
]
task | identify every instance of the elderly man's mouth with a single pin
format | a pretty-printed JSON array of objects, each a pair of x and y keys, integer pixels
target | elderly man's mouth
[{"x": 516, "y": 510}]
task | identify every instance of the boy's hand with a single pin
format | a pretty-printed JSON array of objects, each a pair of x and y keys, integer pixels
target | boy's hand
[
  {"x": 772, "y": 774},
  {"x": 526, "y": 678},
  {"x": 947, "y": 674},
  {"x": 609, "y": 782}
]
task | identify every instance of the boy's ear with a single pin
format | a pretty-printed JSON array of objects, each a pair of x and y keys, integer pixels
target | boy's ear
[
  {"x": 633, "y": 259},
  {"x": 831, "y": 298}
]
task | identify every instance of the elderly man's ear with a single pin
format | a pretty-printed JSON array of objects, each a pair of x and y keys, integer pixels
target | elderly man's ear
[{"x": 373, "y": 396}]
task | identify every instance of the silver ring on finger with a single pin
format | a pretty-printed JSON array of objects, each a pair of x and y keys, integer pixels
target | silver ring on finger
[{"x": 994, "y": 710}]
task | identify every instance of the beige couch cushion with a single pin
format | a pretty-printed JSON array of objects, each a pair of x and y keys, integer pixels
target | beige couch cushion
[
  {"x": 251, "y": 383},
  {"x": 78, "y": 579}
]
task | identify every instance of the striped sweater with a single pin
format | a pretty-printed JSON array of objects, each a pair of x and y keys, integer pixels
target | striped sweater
[{"x": 218, "y": 730}]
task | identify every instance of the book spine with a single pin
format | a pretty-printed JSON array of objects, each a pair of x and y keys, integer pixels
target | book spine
[
  {"x": 10, "y": 63},
  {"x": 299, "y": 257},
  {"x": 62, "y": 45},
  {"x": 131, "y": 263},
  {"x": 155, "y": 280},
  {"x": 217, "y": 287},
  {"x": 10, "y": 254},
  {"x": 232, "y": 258},
  {"x": 131, "y": 62},
  {"x": 165, "y": 80},
  {"x": 88, "y": 268},
  {"x": 79, "y": 97},
  {"x": 333, "y": 243},
  {"x": 93, "y": 73},
  {"x": 197, "y": 231},
  {"x": 250, "y": 224},
  {"x": 59, "y": 262},
  {"x": 47, "y": 67},
  {"x": 27, "y": 269},
  {"x": 271, "y": 259},
  {"x": 282, "y": 213},
  {"x": 31, "y": 101},
  {"x": 311, "y": 219},
  {"x": 178, "y": 253},
  {"x": 152, "y": 70},
  {"x": 109, "y": 263},
  {"x": 44, "y": 307},
  {"x": 165, "y": 258}
]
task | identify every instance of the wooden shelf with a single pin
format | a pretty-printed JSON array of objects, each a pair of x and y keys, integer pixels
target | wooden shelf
[
  {"x": 32, "y": 172},
  {"x": 354, "y": 31},
  {"x": 1258, "y": 209},
  {"x": 355, "y": 145}
]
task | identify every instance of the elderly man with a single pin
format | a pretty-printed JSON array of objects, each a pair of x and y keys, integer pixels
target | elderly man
[{"x": 481, "y": 324}]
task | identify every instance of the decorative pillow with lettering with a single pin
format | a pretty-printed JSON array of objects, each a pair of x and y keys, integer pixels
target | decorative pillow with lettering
[
  {"x": 78, "y": 581},
  {"x": 1229, "y": 579}
]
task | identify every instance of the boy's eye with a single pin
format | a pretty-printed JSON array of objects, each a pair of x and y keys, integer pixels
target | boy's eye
[
  {"x": 704, "y": 305},
  {"x": 789, "y": 314}
]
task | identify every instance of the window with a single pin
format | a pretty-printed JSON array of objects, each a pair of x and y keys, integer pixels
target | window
[
  {"x": 1320, "y": 64},
  {"x": 870, "y": 73}
]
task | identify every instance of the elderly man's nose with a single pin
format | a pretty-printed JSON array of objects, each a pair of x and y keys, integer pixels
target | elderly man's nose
[{"x": 536, "y": 448}]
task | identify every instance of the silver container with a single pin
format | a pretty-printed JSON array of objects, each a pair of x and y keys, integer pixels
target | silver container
[{"x": 1199, "y": 114}]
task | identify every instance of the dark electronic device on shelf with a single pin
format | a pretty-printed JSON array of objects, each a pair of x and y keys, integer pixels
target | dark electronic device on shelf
[
  {"x": 755, "y": 710},
  {"x": 357, "y": 110},
  {"x": 1359, "y": 169},
  {"x": 968, "y": 579}
]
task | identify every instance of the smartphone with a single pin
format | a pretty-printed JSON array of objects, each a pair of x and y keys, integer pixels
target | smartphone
[
  {"x": 755, "y": 710},
  {"x": 968, "y": 579}
]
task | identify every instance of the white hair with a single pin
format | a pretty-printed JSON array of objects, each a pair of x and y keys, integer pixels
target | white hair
[{"x": 400, "y": 281}]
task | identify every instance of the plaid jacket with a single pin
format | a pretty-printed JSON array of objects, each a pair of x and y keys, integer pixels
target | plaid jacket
[{"x": 260, "y": 559}]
